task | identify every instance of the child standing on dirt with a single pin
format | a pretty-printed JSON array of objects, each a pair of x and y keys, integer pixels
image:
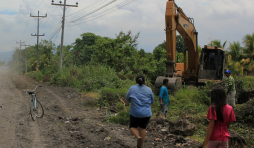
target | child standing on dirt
[
  {"x": 164, "y": 97},
  {"x": 220, "y": 115},
  {"x": 141, "y": 97}
]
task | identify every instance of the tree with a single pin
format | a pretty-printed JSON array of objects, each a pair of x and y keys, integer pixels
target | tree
[
  {"x": 46, "y": 47},
  {"x": 217, "y": 43},
  {"x": 248, "y": 41},
  {"x": 141, "y": 53},
  {"x": 199, "y": 49},
  {"x": 159, "y": 54},
  {"x": 179, "y": 44},
  {"x": 235, "y": 50},
  {"x": 83, "y": 48}
]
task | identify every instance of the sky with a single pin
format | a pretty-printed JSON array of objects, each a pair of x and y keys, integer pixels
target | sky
[{"x": 225, "y": 20}]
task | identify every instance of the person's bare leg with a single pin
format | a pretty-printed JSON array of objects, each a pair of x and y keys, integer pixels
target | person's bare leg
[
  {"x": 142, "y": 133},
  {"x": 135, "y": 132}
]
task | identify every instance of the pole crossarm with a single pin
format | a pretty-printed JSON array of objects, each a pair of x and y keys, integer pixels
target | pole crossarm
[
  {"x": 26, "y": 45},
  {"x": 37, "y": 35},
  {"x": 38, "y": 16},
  {"x": 65, "y": 5}
]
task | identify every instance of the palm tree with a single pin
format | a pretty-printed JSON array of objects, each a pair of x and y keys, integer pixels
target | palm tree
[
  {"x": 248, "y": 41},
  {"x": 235, "y": 50},
  {"x": 217, "y": 43}
]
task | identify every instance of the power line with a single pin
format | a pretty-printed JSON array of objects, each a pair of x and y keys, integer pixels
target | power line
[
  {"x": 39, "y": 4},
  {"x": 101, "y": 15},
  {"x": 57, "y": 35},
  {"x": 94, "y": 11},
  {"x": 124, "y": 3},
  {"x": 71, "y": 9},
  {"x": 49, "y": 18},
  {"x": 86, "y": 8},
  {"x": 55, "y": 32}
]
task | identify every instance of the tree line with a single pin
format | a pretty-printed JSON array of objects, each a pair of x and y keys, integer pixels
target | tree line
[{"x": 121, "y": 54}]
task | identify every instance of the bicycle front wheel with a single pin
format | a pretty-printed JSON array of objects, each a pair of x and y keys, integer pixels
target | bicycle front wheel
[
  {"x": 32, "y": 109},
  {"x": 36, "y": 109},
  {"x": 39, "y": 109}
]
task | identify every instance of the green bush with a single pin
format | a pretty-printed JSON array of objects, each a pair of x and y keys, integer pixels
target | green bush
[
  {"x": 188, "y": 101},
  {"x": 123, "y": 117},
  {"x": 38, "y": 76},
  {"x": 119, "y": 106},
  {"x": 88, "y": 78},
  {"x": 112, "y": 95},
  {"x": 247, "y": 82},
  {"x": 245, "y": 112}
]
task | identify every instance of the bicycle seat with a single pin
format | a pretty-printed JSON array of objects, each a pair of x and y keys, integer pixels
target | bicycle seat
[{"x": 30, "y": 92}]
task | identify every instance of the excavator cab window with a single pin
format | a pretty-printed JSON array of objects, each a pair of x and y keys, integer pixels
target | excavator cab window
[{"x": 211, "y": 62}]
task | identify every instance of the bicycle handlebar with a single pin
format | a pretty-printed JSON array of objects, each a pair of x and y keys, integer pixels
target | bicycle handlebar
[{"x": 34, "y": 89}]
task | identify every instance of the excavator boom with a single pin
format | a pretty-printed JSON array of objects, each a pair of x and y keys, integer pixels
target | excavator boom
[{"x": 176, "y": 20}]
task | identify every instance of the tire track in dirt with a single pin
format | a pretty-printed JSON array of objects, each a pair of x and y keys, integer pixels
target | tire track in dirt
[
  {"x": 67, "y": 123},
  {"x": 26, "y": 129}
]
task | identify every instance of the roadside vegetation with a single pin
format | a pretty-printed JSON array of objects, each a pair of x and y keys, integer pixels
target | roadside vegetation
[{"x": 108, "y": 66}]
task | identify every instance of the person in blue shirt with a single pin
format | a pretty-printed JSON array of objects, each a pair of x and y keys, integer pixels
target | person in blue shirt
[
  {"x": 164, "y": 97},
  {"x": 140, "y": 97}
]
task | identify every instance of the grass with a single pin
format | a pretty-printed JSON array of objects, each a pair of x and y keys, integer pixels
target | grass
[
  {"x": 187, "y": 101},
  {"x": 94, "y": 95},
  {"x": 88, "y": 78}
]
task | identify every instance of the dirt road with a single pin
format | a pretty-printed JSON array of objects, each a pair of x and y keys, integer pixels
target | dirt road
[{"x": 67, "y": 122}]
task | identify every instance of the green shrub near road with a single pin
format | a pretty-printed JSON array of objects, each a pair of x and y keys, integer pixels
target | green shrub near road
[
  {"x": 90, "y": 77},
  {"x": 37, "y": 75}
]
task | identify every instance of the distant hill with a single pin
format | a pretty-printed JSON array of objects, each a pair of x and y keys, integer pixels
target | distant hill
[{"x": 6, "y": 56}]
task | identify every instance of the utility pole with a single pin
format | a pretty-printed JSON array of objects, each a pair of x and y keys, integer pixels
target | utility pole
[
  {"x": 63, "y": 22},
  {"x": 18, "y": 54},
  {"x": 26, "y": 55},
  {"x": 38, "y": 35}
]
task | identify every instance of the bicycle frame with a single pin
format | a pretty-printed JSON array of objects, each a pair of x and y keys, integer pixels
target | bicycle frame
[{"x": 34, "y": 98}]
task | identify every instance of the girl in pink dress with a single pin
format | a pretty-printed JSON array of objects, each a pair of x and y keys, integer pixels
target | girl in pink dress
[{"x": 220, "y": 115}]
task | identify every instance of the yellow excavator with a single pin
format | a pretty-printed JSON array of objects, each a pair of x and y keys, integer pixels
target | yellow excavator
[{"x": 200, "y": 68}]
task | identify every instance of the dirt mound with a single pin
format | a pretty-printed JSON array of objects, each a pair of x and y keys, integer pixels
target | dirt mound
[
  {"x": 160, "y": 128},
  {"x": 182, "y": 127}
]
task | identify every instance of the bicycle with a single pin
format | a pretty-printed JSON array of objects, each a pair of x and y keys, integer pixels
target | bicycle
[{"x": 36, "y": 109}]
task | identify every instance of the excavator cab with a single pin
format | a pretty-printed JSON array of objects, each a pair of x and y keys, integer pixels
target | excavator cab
[{"x": 212, "y": 64}]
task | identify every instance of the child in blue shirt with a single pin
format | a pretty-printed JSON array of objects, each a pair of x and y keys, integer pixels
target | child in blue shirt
[{"x": 164, "y": 97}]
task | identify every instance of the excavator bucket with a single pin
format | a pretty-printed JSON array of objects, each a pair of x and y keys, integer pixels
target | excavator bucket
[{"x": 174, "y": 84}]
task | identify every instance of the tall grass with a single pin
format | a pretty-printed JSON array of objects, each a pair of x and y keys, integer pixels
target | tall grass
[
  {"x": 88, "y": 78},
  {"x": 187, "y": 101}
]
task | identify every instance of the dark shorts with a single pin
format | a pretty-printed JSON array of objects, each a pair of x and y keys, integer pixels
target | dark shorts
[{"x": 139, "y": 122}]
